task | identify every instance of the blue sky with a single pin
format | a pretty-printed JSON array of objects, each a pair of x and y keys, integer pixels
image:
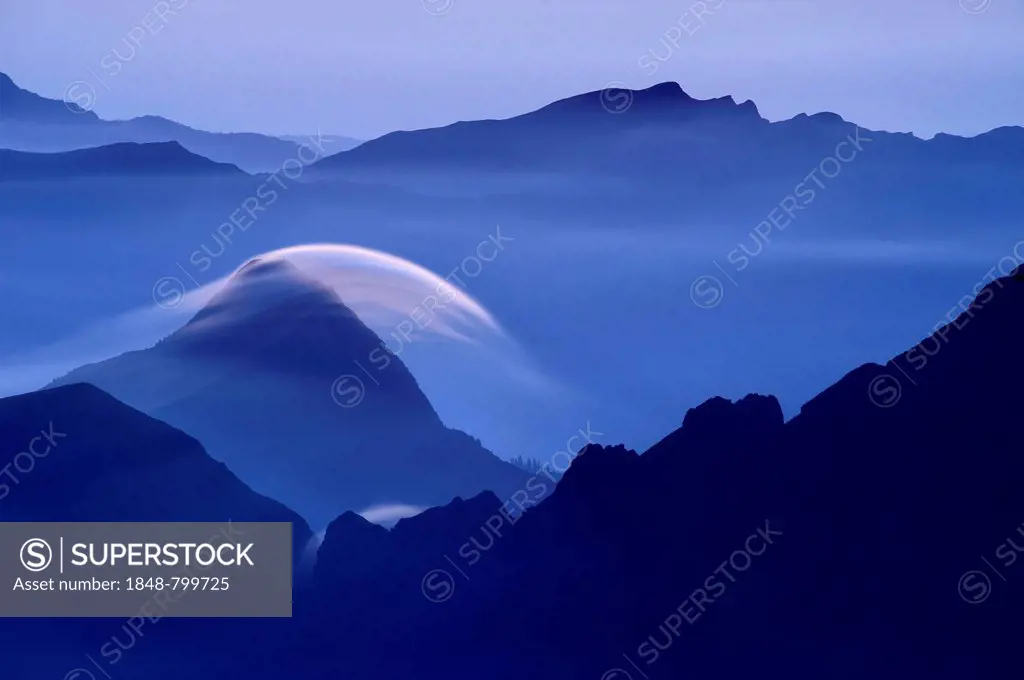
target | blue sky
[{"x": 364, "y": 68}]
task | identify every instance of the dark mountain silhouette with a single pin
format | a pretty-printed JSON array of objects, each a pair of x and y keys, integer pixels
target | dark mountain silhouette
[
  {"x": 253, "y": 376},
  {"x": 116, "y": 160},
  {"x": 865, "y": 511},
  {"x": 29, "y": 122},
  {"x": 88, "y": 457},
  {"x": 103, "y": 461}
]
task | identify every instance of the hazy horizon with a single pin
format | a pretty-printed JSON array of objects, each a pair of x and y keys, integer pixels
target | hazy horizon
[{"x": 264, "y": 68}]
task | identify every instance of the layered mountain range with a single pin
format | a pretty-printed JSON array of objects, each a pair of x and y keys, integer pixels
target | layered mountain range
[
  {"x": 29, "y": 122},
  {"x": 876, "y": 533},
  {"x": 835, "y": 544},
  {"x": 654, "y": 154}
]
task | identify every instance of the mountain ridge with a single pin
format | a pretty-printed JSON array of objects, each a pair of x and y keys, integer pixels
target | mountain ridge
[
  {"x": 123, "y": 159},
  {"x": 659, "y": 131},
  {"x": 833, "y": 499},
  {"x": 105, "y": 452},
  {"x": 19, "y": 104}
]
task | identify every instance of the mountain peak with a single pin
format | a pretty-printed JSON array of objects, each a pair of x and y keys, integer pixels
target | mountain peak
[
  {"x": 274, "y": 295},
  {"x": 720, "y": 418},
  {"x": 258, "y": 267},
  {"x": 290, "y": 389},
  {"x": 669, "y": 90},
  {"x": 595, "y": 467},
  {"x": 18, "y": 104},
  {"x": 670, "y": 98},
  {"x": 464, "y": 514},
  {"x": 665, "y": 100},
  {"x": 823, "y": 119}
]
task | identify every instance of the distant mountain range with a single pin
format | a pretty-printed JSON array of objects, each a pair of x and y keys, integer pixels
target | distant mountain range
[
  {"x": 29, "y": 122},
  {"x": 655, "y": 154},
  {"x": 658, "y": 154},
  {"x": 253, "y": 375},
  {"x": 126, "y": 159},
  {"x": 663, "y": 127},
  {"x": 658, "y": 135}
]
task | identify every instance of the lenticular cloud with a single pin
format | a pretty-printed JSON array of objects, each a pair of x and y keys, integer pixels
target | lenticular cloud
[
  {"x": 399, "y": 300},
  {"x": 391, "y": 294}
]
